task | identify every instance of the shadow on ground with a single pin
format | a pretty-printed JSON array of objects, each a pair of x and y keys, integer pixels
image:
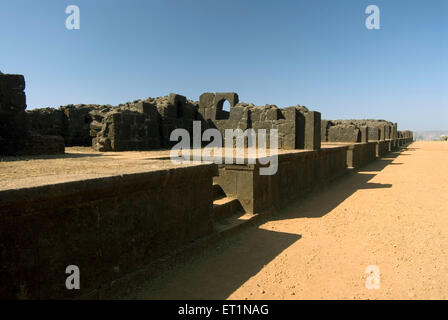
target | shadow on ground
[
  {"x": 220, "y": 272},
  {"x": 52, "y": 156},
  {"x": 331, "y": 196}
]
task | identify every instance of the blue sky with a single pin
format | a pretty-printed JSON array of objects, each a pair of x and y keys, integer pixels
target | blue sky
[{"x": 316, "y": 53}]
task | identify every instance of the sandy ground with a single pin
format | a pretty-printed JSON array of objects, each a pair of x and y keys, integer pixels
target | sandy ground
[
  {"x": 393, "y": 214},
  {"x": 79, "y": 163}
]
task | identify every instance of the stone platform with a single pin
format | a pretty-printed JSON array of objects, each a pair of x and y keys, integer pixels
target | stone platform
[
  {"x": 113, "y": 213},
  {"x": 108, "y": 214}
]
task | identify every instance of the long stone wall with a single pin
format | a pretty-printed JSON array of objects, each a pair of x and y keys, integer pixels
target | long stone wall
[
  {"x": 150, "y": 127},
  {"x": 359, "y": 153},
  {"x": 298, "y": 127},
  {"x": 105, "y": 230},
  {"x": 298, "y": 173},
  {"x": 148, "y": 124},
  {"x": 111, "y": 226},
  {"x": 358, "y": 130}
]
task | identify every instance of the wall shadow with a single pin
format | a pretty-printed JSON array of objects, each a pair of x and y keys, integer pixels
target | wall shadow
[
  {"x": 220, "y": 272},
  {"x": 49, "y": 156},
  {"x": 322, "y": 202}
]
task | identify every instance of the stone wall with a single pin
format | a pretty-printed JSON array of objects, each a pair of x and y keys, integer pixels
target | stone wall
[
  {"x": 13, "y": 121},
  {"x": 17, "y": 137},
  {"x": 360, "y": 154},
  {"x": 127, "y": 127},
  {"x": 72, "y": 122},
  {"x": 106, "y": 231},
  {"x": 357, "y": 130},
  {"x": 48, "y": 121},
  {"x": 298, "y": 174},
  {"x": 382, "y": 148},
  {"x": 175, "y": 111},
  {"x": 339, "y": 133},
  {"x": 78, "y": 124},
  {"x": 298, "y": 127}
]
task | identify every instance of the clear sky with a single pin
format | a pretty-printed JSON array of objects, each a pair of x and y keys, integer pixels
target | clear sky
[{"x": 316, "y": 53}]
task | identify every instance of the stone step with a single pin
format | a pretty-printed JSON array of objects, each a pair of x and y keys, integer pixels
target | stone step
[
  {"x": 218, "y": 193},
  {"x": 225, "y": 207}
]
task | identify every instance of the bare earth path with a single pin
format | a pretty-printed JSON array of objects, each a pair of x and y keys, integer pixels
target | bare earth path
[{"x": 392, "y": 214}]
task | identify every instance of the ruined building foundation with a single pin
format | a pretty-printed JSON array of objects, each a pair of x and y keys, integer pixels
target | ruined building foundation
[{"x": 119, "y": 216}]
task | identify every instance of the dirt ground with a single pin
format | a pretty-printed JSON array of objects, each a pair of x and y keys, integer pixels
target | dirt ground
[
  {"x": 79, "y": 163},
  {"x": 392, "y": 214}
]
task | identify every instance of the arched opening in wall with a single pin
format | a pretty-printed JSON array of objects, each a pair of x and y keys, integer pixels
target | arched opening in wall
[
  {"x": 226, "y": 106},
  {"x": 179, "y": 110},
  {"x": 223, "y": 110}
]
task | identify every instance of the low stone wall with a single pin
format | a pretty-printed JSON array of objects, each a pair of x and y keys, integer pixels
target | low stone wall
[
  {"x": 360, "y": 154},
  {"x": 298, "y": 173},
  {"x": 105, "y": 230},
  {"x": 382, "y": 147}
]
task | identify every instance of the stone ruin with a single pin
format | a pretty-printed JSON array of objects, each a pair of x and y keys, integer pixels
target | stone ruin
[
  {"x": 142, "y": 124},
  {"x": 358, "y": 130},
  {"x": 147, "y": 124},
  {"x": 16, "y": 135},
  {"x": 126, "y": 127},
  {"x": 298, "y": 127},
  {"x": 72, "y": 122}
]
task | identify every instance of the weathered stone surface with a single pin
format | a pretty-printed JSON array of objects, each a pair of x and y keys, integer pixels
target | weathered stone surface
[
  {"x": 325, "y": 125},
  {"x": 312, "y": 130},
  {"x": 132, "y": 127},
  {"x": 360, "y": 154},
  {"x": 374, "y": 133},
  {"x": 48, "y": 121},
  {"x": 294, "y": 132},
  {"x": 211, "y": 105},
  {"x": 298, "y": 174},
  {"x": 105, "y": 230},
  {"x": 78, "y": 124},
  {"x": 83, "y": 124},
  {"x": 175, "y": 111},
  {"x": 376, "y": 130},
  {"x": 13, "y": 121},
  {"x": 72, "y": 122},
  {"x": 44, "y": 144},
  {"x": 298, "y": 127},
  {"x": 364, "y": 134},
  {"x": 16, "y": 135},
  {"x": 340, "y": 133}
]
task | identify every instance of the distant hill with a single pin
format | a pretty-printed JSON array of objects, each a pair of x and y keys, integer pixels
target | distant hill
[{"x": 429, "y": 135}]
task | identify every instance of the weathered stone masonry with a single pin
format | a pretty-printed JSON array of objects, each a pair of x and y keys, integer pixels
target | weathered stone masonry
[
  {"x": 298, "y": 128},
  {"x": 147, "y": 124},
  {"x": 105, "y": 230},
  {"x": 115, "y": 228},
  {"x": 16, "y": 138}
]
